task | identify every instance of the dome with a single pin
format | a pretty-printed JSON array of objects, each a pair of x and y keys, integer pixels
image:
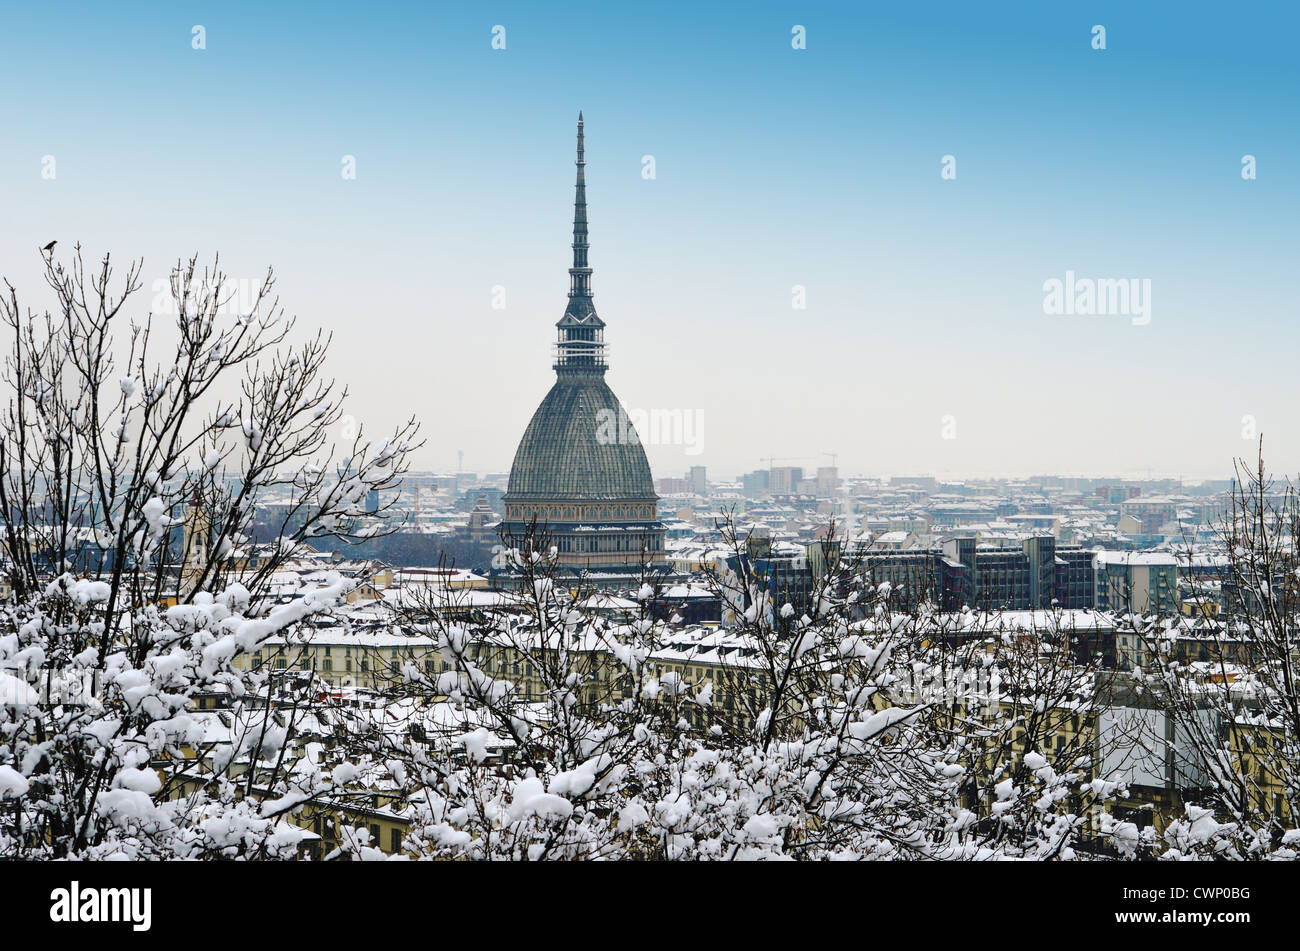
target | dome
[{"x": 580, "y": 445}]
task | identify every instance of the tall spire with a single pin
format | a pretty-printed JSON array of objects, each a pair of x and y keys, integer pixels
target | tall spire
[
  {"x": 580, "y": 273},
  {"x": 581, "y": 344}
]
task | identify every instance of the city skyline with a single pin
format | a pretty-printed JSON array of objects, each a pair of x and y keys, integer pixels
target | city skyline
[
  {"x": 775, "y": 168},
  {"x": 814, "y": 432}
]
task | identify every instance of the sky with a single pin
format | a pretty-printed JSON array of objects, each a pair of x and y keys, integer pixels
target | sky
[{"x": 922, "y": 346}]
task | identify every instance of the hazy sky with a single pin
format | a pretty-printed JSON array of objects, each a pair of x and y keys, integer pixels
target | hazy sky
[{"x": 774, "y": 167}]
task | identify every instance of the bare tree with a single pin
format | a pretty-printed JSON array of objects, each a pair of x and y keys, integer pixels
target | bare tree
[
  {"x": 1228, "y": 679},
  {"x": 122, "y": 434}
]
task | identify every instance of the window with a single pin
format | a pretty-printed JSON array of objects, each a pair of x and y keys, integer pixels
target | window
[{"x": 395, "y": 843}]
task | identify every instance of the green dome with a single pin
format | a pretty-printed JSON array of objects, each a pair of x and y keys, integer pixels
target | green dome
[{"x": 580, "y": 446}]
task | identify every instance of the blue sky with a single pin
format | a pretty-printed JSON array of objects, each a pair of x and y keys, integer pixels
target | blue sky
[{"x": 774, "y": 167}]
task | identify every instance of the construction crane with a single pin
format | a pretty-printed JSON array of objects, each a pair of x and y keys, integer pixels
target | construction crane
[{"x": 772, "y": 459}]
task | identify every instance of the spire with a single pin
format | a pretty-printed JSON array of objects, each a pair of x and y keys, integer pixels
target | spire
[
  {"x": 580, "y": 283},
  {"x": 581, "y": 344}
]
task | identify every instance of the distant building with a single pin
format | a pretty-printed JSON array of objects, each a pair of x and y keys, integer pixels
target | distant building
[
  {"x": 929, "y": 483},
  {"x": 194, "y": 545},
  {"x": 1153, "y": 515},
  {"x": 787, "y": 578},
  {"x": 1136, "y": 582},
  {"x": 1117, "y": 494},
  {"x": 828, "y": 481},
  {"x": 440, "y": 577},
  {"x": 1037, "y": 575},
  {"x": 785, "y": 479},
  {"x": 481, "y": 527},
  {"x": 756, "y": 484},
  {"x": 671, "y": 486},
  {"x": 580, "y": 475}
]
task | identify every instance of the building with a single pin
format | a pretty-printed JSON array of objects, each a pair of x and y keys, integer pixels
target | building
[
  {"x": 194, "y": 545},
  {"x": 785, "y": 479},
  {"x": 480, "y": 527},
  {"x": 1154, "y": 516},
  {"x": 928, "y": 483},
  {"x": 756, "y": 484},
  {"x": 580, "y": 476},
  {"x": 670, "y": 486},
  {"x": 1036, "y": 575},
  {"x": 1130, "y": 581}
]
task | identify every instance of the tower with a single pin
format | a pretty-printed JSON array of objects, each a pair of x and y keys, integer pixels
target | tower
[
  {"x": 479, "y": 525},
  {"x": 194, "y": 544},
  {"x": 580, "y": 472},
  {"x": 580, "y": 338}
]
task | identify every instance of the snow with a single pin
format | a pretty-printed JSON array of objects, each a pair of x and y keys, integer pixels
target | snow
[
  {"x": 531, "y": 800},
  {"x": 476, "y": 744},
  {"x": 139, "y": 780},
  {"x": 82, "y": 591},
  {"x": 576, "y": 782},
  {"x": 15, "y": 691},
  {"x": 632, "y": 815},
  {"x": 154, "y": 513},
  {"x": 85, "y": 591},
  {"x": 12, "y": 783}
]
